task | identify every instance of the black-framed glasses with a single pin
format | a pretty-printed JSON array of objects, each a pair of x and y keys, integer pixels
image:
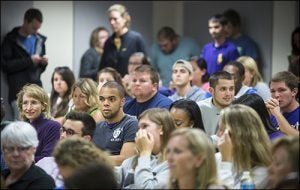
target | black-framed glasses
[
  {"x": 69, "y": 132},
  {"x": 20, "y": 149}
]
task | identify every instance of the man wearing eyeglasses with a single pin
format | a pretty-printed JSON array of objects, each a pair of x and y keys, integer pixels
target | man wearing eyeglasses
[{"x": 79, "y": 124}]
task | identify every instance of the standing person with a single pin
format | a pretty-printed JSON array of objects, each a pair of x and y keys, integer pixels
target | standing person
[
  {"x": 182, "y": 78},
  {"x": 253, "y": 77},
  {"x": 222, "y": 89},
  {"x": 169, "y": 48},
  {"x": 220, "y": 51},
  {"x": 62, "y": 81},
  {"x": 244, "y": 145},
  {"x": 283, "y": 105},
  {"x": 19, "y": 141},
  {"x": 246, "y": 46},
  {"x": 122, "y": 43},
  {"x": 145, "y": 90},
  {"x": 149, "y": 168},
  {"x": 23, "y": 56},
  {"x": 34, "y": 106},
  {"x": 91, "y": 58},
  {"x": 191, "y": 158},
  {"x": 294, "y": 57},
  {"x": 116, "y": 134}
]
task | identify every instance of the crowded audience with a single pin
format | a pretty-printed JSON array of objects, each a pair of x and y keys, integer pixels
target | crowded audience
[{"x": 180, "y": 117}]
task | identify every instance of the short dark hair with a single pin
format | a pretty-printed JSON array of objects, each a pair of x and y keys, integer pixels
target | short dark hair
[
  {"x": 87, "y": 120},
  {"x": 214, "y": 78},
  {"x": 166, "y": 32},
  {"x": 154, "y": 76},
  {"x": 287, "y": 77},
  {"x": 33, "y": 13},
  {"x": 233, "y": 17},
  {"x": 192, "y": 109},
  {"x": 116, "y": 85},
  {"x": 219, "y": 18},
  {"x": 238, "y": 65}
]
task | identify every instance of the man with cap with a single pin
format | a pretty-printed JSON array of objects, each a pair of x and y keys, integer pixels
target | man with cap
[{"x": 182, "y": 74}]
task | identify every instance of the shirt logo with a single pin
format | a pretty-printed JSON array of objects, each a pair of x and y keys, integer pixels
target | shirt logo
[
  {"x": 220, "y": 58},
  {"x": 117, "y": 132}
]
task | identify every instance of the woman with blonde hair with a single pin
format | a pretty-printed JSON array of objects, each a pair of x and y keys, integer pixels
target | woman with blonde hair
[
  {"x": 191, "y": 158},
  {"x": 85, "y": 98},
  {"x": 244, "y": 145},
  {"x": 149, "y": 168},
  {"x": 123, "y": 42},
  {"x": 253, "y": 77},
  {"x": 34, "y": 107},
  {"x": 72, "y": 153}
]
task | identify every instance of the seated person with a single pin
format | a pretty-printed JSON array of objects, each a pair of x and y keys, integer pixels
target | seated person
[{"x": 19, "y": 141}]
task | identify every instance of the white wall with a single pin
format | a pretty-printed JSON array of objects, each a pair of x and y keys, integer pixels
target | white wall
[
  {"x": 166, "y": 13},
  {"x": 58, "y": 27},
  {"x": 284, "y": 22}
]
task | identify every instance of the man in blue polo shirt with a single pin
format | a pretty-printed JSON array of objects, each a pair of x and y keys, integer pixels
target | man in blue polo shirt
[
  {"x": 220, "y": 51},
  {"x": 145, "y": 90}
]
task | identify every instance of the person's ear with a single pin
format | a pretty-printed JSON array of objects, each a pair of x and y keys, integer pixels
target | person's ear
[
  {"x": 211, "y": 90},
  {"x": 199, "y": 159},
  {"x": 87, "y": 137}
]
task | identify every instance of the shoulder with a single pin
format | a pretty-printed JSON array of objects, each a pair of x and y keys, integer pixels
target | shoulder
[
  {"x": 133, "y": 33},
  {"x": 53, "y": 124},
  {"x": 130, "y": 118},
  {"x": 205, "y": 103}
]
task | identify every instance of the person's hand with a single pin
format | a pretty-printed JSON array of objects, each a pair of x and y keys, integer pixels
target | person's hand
[
  {"x": 44, "y": 59},
  {"x": 273, "y": 106},
  {"x": 36, "y": 58},
  {"x": 225, "y": 146},
  {"x": 144, "y": 142}
]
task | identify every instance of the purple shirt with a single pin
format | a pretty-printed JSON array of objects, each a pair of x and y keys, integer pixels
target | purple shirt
[
  {"x": 48, "y": 135},
  {"x": 217, "y": 57},
  {"x": 292, "y": 117}
]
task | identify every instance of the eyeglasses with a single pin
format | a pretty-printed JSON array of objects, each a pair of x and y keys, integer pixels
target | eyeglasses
[
  {"x": 69, "y": 132},
  {"x": 19, "y": 149}
]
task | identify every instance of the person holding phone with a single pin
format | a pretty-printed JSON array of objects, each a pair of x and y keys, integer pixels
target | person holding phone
[{"x": 23, "y": 56}]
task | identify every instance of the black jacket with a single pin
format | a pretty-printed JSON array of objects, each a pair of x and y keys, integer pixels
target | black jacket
[
  {"x": 131, "y": 42},
  {"x": 17, "y": 63}
]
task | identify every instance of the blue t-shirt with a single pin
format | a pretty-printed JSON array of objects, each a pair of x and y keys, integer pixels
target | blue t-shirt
[
  {"x": 111, "y": 137},
  {"x": 292, "y": 117},
  {"x": 29, "y": 43},
  {"x": 245, "y": 46},
  {"x": 217, "y": 57},
  {"x": 132, "y": 107}
]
